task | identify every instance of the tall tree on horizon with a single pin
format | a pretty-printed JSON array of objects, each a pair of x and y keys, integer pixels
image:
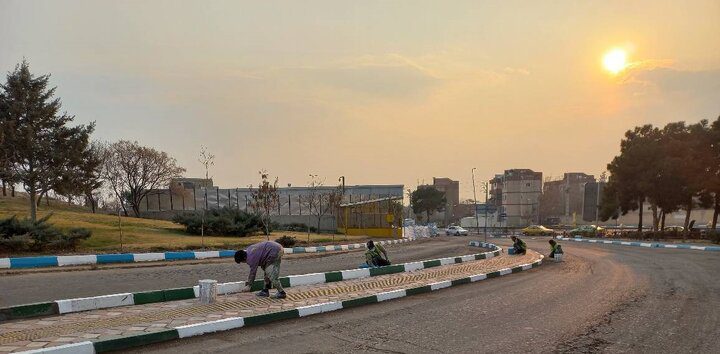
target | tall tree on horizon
[
  {"x": 427, "y": 199},
  {"x": 40, "y": 139}
]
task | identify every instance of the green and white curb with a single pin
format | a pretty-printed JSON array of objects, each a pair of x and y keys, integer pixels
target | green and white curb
[
  {"x": 60, "y": 307},
  {"x": 239, "y": 322}
]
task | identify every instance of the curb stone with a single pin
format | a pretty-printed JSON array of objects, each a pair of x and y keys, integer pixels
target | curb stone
[
  {"x": 61, "y": 261},
  {"x": 643, "y": 244},
  {"x": 60, "y": 307},
  {"x": 226, "y": 324}
]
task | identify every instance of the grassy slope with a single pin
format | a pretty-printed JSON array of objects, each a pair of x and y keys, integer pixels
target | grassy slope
[{"x": 138, "y": 234}]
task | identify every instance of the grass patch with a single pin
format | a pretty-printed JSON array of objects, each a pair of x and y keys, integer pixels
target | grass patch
[{"x": 142, "y": 235}]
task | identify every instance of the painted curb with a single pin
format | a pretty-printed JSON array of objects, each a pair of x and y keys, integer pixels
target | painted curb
[
  {"x": 58, "y": 307},
  {"x": 198, "y": 329},
  {"x": 643, "y": 244},
  {"x": 60, "y": 261}
]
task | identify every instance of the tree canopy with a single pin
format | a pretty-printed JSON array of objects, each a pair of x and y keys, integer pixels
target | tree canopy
[
  {"x": 676, "y": 167},
  {"x": 427, "y": 199},
  {"x": 39, "y": 147}
]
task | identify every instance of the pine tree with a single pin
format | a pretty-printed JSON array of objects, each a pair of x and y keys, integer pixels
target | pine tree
[{"x": 43, "y": 146}]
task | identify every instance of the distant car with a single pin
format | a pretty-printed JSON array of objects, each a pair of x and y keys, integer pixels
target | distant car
[
  {"x": 456, "y": 231},
  {"x": 587, "y": 230},
  {"x": 674, "y": 229},
  {"x": 535, "y": 230}
]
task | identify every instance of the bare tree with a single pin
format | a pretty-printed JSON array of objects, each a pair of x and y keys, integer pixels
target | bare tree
[
  {"x": 207, "y": 160},
  {"x": 265, "y": 199},
  {"x": 133, "y": 171},
  {"x": 321, "y": 199}
]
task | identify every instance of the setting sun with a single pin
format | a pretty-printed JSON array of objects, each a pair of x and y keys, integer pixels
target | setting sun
[{"x": 615, "y": 60}]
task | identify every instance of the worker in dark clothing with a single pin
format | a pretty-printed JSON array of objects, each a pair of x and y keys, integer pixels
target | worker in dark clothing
[
  {"x": 376, "y": 256},
  {"x": 518, "y": 245},
  {"x": 555, "y": 248},
  {"x": 266, "y": 255}
]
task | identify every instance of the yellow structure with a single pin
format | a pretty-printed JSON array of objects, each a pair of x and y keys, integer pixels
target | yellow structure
[{"x": 374, "y": 218}]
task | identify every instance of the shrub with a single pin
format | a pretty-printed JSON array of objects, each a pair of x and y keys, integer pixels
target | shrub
[
  {"x": 220, "y": 222},
  {"x": 26, "y": 235},
  {"x": 714, "y": 236},
  {"x": 296, "y": 226},
  {"x": 286, "y": 241}
]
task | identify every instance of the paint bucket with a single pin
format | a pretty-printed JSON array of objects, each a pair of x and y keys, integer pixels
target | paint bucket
[{"x": 208, "y": 291}]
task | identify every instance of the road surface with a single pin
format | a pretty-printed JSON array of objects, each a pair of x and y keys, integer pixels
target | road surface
[
  {"x": 601, "y": 299},
  {"x": 25, "y": 288}
]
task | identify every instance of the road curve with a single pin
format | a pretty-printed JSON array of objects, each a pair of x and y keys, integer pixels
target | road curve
[
  {"x": 601, "y": 299},
  {"x": 25, "y": 288}
]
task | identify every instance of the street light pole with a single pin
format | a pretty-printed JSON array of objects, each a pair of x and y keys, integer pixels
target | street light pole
[
  {"x": 486, "y": 187},
  {"x": 477, "y": 221},
  {"x": 342, "y": 199}
]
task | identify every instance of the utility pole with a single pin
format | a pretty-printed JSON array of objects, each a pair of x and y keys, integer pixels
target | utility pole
[
  {"x": 477, "y": 221},
  {"x": 344, "y": 217},
  {"x": 485, "y": 187}
]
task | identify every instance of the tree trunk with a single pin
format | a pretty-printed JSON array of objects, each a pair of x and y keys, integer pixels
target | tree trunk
[
  {"x": 39, "y": 200},
  {"x": 688, "y": 207},
  {"x": 136, "y": 210},
  {"x": 427, "y": 215},
  {"x": 318, "y": 224},
  {"x": 4, "y": 188},
  {"x": 33, "y": 205},
  {"x": 717, "y": 211},
  {"x": 12, "y": 191},
  {"x": 656, "y": 218},
  {"x": 662, "y": 221},
  {"x": 640, "y": 218}
]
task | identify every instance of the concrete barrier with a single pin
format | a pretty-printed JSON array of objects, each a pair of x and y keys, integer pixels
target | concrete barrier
[{"x": 60, "y": 261}]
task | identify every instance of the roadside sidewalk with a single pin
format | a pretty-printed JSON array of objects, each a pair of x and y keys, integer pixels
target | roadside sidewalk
[{"x": 133, "y": 320}]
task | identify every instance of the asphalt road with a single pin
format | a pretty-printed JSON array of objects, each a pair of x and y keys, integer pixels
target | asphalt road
[
  {"x": 25, "y": 288},
  {"x": 601, "y": 299}
]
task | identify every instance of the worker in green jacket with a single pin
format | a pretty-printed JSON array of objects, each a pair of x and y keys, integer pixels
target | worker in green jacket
[
  {"x": 519, "y": 245},
  {"x": 376, "y": 256},
  {"x": 555, "y": 248}
]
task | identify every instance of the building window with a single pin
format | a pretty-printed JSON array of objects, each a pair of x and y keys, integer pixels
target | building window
[{"x": 527, "y": 184}]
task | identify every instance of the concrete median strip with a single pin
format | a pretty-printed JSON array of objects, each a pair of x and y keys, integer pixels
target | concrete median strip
[
  {"x": 239, "y": 322},
  {"x": 644, "y": 244},
  {"x": 61, "y": 261},
  {"x": 146, "y": 297}
]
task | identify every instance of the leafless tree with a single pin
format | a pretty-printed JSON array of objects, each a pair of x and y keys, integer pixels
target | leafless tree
[
  {"x": 206, "y": 159},
  {"x": 321, "y": 200},
  {"x": 133, "y": 171},
  {"x": 265, "y": 199}
]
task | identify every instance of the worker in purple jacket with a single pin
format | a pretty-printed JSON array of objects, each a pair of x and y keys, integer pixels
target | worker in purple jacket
[{"x": 266, "y": 255}]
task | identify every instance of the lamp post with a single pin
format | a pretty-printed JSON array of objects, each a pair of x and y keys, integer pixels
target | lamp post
[
  {"x": 477, "y": 221},
  {"x": 485, "y": 187},
  {"x": 342, "y": 198}
]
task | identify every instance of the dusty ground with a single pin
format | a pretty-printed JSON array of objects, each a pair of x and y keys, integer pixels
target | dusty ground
[
  {"x": 24, "y": 288},
  {"x": 602, "y": 299}
]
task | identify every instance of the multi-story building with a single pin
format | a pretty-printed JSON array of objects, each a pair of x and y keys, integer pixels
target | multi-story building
[
  {"x": 519, "y": 192},
  {"x": 452, "y": 198},
  {"x": 562, "y": 200},
  {"x": 592, "y": 197}
]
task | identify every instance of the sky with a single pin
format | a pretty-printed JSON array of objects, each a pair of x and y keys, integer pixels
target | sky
[{"x": 381, "y": 92}]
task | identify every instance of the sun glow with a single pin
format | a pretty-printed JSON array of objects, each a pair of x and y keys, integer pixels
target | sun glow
[{"x": 615, "y": 60}]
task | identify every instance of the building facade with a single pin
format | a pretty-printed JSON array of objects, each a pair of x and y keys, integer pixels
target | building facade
[
  {"x": 292, "y": 207},
  {"x": 562, "y": 200},
  {"x": 518, "y": 192}
]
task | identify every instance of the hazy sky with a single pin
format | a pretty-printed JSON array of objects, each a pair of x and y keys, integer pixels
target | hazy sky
[{"x": 378, "y": 91}]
